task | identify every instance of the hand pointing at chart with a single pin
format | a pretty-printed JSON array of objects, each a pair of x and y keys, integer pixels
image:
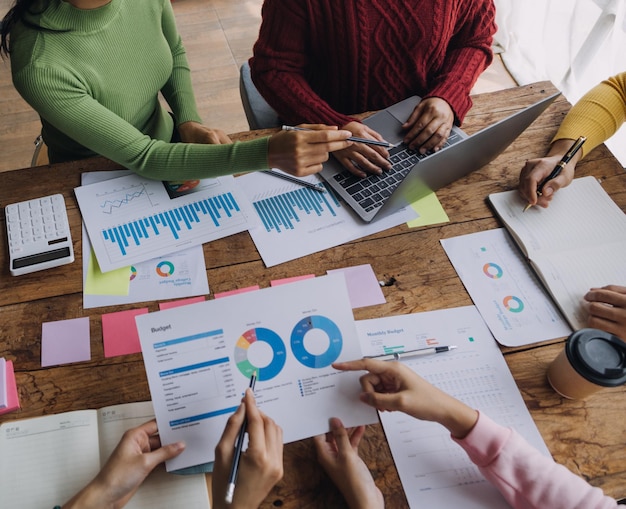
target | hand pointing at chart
[{"x": 390, "y": 386}]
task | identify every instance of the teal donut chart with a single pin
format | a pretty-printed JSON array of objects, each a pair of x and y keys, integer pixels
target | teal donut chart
[{"x": 335, "y": 341}]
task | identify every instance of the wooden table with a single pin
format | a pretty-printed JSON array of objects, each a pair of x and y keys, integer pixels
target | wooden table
[{"x": 586, "y": 436}]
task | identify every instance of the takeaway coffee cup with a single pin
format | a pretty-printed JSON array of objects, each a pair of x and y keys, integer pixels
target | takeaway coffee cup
[{"x": 592, "y": 359}]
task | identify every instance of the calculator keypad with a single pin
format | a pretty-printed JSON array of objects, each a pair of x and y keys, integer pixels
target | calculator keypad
[{"x": 38, "y": 233}]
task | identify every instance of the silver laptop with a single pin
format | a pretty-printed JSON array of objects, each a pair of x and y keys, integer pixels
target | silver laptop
[{"x": 414, "y": 175}]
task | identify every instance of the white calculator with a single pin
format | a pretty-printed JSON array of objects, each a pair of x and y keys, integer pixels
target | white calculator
[{"x": 39, "y": 234}]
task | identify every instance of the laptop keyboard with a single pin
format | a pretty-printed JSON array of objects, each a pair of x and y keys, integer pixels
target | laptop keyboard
[{"x": 372, "y": 191}]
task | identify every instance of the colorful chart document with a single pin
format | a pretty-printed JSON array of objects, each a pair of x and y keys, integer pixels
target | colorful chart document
[
  {"x": 132, "y": 219},
  {"x": 199, "y": 359},
  {"x": 505, "y": 290},
  {"x": 434, "y": 470},
  {"x": 174, "y": 276},
  {"x": 296, "y": 221}
]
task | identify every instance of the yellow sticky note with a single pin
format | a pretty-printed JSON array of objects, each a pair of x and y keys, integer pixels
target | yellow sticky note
[
  {"x": 115, "y": 282},
  {"x": 430, "y": 212}
]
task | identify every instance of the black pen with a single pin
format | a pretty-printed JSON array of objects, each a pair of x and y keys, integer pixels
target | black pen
[
  {"x": 560, "y": 165},
  {"x": 234, "y": 469},
  {"x": 367, "y": 141},
  {"x": 396, "y": 356},
  {"x": 295, "y": 180}
]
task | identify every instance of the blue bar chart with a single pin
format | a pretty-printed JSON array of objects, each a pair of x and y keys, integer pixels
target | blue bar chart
[
  {"x": 282, "y": 212},
  {"x": 131, "y": 219},
  {"x": 172, "y": 222}
]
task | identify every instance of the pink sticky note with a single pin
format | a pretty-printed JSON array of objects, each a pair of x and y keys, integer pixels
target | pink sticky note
[
  {"x": 119, "y": 332},
  {"x": 363, "y": 286},
  {"x": 13, "y": 400},
  {"x": 65, "y": 341},
  {"x": 278, "y": 282},
  {"x": 235, "y": 292},
  {"x": 181, "y": 302}
]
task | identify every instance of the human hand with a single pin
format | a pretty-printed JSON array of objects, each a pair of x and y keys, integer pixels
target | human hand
[
  {"x": 392, "y": 386},
  {"x": 429, "y": 125},
  {"x": 338, "y": 453},
  {"x": 261, "y": 464},
  {"x": 302, "y": 153},
  {"x": 607, "y": 309},
  {"x": 193, "y": 132},
  {"x": 535, "y": 170},
  {"x": 361, "y": 158},
  {"x": 137, "y": 454}
]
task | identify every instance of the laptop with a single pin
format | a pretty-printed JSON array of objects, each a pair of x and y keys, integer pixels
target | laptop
[{"x": 414, "y": 175}]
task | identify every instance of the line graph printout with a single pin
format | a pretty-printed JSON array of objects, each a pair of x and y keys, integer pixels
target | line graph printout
[
  {"x": 434, "y": 470},
  {"x": 132, "y": 219},
  {"x": 198, "y": 368},
  {"x": 294, "y": 221}
]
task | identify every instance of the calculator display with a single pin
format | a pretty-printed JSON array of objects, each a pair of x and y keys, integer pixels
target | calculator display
[{"x": 27, "y": 261}]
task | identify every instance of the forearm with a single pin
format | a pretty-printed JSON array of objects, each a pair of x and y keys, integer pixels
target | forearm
[
  {"x": 468, "y": 54},
  {"x": 597, "y": 115},
  {"x": 525, "y": 477},
  {"x": 91, "y": 496}
]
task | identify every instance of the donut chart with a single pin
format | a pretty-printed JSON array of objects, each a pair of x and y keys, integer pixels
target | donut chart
[
  {"x": 246, "y": 340},
  {"x": 513, "y": 304},
  {"x": 331, "y": 330},
  {"x": 165, "y": 269},
  {"x": 492, "y": 270}
]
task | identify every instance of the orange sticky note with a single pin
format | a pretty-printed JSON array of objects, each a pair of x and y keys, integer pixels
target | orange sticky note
[{"x": 119, "y": 332}]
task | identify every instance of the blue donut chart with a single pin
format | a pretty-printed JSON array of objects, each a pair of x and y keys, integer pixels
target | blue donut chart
[{"x": 335, "y": 341}]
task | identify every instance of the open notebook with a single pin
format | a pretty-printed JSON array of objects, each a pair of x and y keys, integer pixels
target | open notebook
[
  {"x": 577, "y": 243},
  {"x": 45, "y": 460}
]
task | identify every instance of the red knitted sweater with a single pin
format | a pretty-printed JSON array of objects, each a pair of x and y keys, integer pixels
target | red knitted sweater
[{"x": 322, "y": 60}]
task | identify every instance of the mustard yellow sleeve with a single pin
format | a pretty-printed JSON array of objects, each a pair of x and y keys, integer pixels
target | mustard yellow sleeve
[{"x": 597, "y": 115}]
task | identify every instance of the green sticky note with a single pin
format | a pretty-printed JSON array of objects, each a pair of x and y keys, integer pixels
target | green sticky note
[
  {"x": 430, "y": 212},
  {"x": 115, "y": 282}
]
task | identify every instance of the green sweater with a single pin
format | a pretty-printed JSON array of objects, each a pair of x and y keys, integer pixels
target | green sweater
[{"x": 94, "y": 79}]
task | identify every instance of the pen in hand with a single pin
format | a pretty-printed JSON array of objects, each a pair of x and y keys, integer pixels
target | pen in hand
[
  {"x": 367, "y": 141},
  {"x": 234, "y": 469},
  {"x": 559, "y": 167}
]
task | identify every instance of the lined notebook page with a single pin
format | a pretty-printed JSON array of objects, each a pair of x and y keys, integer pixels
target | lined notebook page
[
  {"x": 160, "y": 489},
  {"x": 582, "y": 214},
  {"x": 46, "y": 460}
]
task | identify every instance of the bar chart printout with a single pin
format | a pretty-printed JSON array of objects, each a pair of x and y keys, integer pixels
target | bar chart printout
[
  {"x": 132, "y": 219},
  {"x": 295, "y": 221}
]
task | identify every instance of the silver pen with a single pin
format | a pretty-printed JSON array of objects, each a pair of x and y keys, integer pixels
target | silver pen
[
  {"x": 396, "y": 356},
  {"x": 367, "y": 141}
]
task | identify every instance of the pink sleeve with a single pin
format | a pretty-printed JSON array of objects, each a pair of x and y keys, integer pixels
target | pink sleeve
[{"x": 525, "y": 477}]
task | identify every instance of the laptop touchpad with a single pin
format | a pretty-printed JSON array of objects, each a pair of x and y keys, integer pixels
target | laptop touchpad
[{"x": 387, "y": 126}]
